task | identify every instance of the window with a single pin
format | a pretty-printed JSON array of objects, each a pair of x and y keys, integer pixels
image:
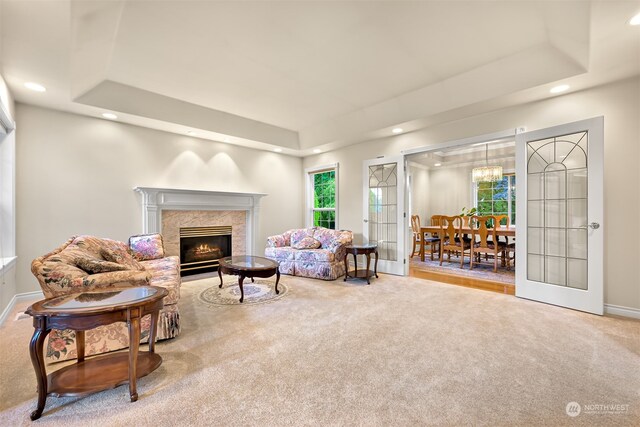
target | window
[
  {"x": 323, "y": 200},
  {"x": 497, "y": 198}
]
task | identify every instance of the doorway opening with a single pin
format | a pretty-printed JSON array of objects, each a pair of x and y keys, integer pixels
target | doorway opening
[{"x": 441, "y": 184}]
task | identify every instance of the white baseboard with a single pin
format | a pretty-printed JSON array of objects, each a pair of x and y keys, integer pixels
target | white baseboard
[
  {"x": 622, "y": 311},
  {"x": 16, "y": 298}
]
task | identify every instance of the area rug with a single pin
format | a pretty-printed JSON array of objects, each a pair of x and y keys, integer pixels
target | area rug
[{"x": 259, "y": 292}]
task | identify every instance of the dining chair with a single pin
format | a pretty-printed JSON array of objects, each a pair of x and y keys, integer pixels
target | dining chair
[
  {"x": 485, "y": 240},
  {"x": 415, "y": 229},
  {"x": 418, "y": 237},
  {"x": 451, "y": 238}
]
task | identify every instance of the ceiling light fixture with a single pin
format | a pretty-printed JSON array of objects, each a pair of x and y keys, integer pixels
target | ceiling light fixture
[
  {"x": 278, "y": 150},
  {"x": 226, "y": 140},
  {"x": 635, "y": 20},
  {"x": 558, "y": 89},
  {"x": 397, "y": 130},
  {"x": 487, "y": 173},
  {"x": 191, "y": 133},
  {"x": 317, "y": 150},
  {"x": 109, "y": 116},
  {"x": 36, "y": 87},
  {"x": 438, "y": 164}
]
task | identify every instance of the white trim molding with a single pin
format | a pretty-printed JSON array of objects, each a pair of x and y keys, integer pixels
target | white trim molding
[
  {"x": 154, "y": 200},
  {"x": 37, "y": 295},
  {"x": 619, "y": 310}
]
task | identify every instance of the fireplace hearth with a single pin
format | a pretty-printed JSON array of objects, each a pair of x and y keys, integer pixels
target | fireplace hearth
[{"x": 201, "y": 247}]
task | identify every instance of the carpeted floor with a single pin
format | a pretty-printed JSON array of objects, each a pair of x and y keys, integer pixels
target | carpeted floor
[{"x": 401, "y": 351}]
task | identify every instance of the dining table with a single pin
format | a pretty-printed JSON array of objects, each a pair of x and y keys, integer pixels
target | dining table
[{"x": 503, "y": 230}]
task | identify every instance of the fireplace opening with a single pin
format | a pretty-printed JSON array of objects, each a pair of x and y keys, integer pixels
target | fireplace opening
[{"x": 201, "y": 247}]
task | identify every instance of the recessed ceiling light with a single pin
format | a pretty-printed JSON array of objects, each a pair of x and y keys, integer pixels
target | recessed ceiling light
[
  {"x": 635, "y": 20},
  {"x": 397, "y": 130},
  {"x": 109, "y": 116},
  {"x": 438, "y": 164},
  {"x": 278, "y": 150},
  {"x": 317, "y": 150},
  {"x": 191, "y": 133},
  {"x": 36, "y": 87},
  {"x": 558, "y": 89}
]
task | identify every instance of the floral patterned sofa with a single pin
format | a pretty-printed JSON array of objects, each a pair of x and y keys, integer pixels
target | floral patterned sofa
[
  {"x": 310, "y": 252},
  {"x": 85, "y": 263}
]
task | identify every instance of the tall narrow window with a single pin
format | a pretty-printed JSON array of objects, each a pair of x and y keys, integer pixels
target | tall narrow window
[
  {"x": 322, "y": 198},
  {"x": 497, "y": 198}
]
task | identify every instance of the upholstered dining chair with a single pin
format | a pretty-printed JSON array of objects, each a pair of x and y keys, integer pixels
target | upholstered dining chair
[
  {"x": 485, "y": 240},
  {"x": 451, "y": 238}
]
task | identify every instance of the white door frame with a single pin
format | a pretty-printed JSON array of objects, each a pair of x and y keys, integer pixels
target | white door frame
[{"x": 592, "y": 299}]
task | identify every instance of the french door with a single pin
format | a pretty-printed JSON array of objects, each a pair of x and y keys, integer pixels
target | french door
[
  {"x": 384, "y": 211},
  {"x": 559, "y": 225}
]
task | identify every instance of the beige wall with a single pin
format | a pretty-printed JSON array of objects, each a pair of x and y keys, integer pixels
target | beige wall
[
  {"x": 7, "y": 190},
  {"x": 619, "y": 103},
  {"x": 419, "y": 181},
  {"x": 457, "y": 181},
  {"x": 76, "y": 175}
]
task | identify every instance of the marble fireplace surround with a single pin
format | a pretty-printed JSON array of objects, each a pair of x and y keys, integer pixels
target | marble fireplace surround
[{"x": 189, "y": 208}]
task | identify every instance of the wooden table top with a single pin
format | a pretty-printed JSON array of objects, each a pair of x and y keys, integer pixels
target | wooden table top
[{"x": 500, "y": 231}]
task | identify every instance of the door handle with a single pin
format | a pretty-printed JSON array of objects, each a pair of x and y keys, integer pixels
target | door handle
[{"x": 592, "y": 225}]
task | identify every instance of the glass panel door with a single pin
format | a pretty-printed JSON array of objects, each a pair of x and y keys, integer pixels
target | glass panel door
[
  {"x": 559, "y": 251},
  {"x": 383, "y": 181}
]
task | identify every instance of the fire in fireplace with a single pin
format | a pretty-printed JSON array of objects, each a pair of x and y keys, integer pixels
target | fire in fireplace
[{"x": 201, "y": 247}]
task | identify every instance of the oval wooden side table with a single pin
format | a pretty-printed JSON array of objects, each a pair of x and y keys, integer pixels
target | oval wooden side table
[
  {"x": 356, "y": 250},
  {"x": 87, "y": 310}
]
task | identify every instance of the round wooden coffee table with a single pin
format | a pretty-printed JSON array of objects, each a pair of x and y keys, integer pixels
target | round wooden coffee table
[
  {"x": 250, "y": 266},
  {"x": 84, "y": 311},
  {"x": 356, "y": 250}
]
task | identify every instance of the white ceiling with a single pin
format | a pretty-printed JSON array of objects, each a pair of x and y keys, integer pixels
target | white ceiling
[{"x": 300, "y": 75}]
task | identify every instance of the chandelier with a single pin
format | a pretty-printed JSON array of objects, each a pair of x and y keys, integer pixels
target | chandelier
[{"x": 487, "y": 173}]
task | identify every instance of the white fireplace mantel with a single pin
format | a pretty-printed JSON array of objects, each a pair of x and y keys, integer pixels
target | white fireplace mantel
[{"x": 154, "y": 200}]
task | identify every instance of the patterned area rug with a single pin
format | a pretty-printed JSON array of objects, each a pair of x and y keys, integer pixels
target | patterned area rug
[
  {"x": 261, "y": 291},
  {"x": 484, "y": 270}
]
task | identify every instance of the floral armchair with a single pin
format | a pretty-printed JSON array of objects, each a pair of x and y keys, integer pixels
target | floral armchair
[
  {"x": 85, "y": 263},
  {"x": 315, "y": 252}
]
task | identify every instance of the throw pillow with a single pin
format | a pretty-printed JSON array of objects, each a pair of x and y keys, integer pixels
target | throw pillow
[
  {"x": 147, "y": 246},
  {"x": 121, "y": 256},
  {"x": 307, "y": 243},
  {"x": 93, "y": 265}
]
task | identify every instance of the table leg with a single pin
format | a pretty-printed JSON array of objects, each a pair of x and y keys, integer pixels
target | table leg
[
  {"x": 346, "y": 266},
  {"x": 366, "y": 272},
  {"x": 375, "y": 266},
  {"x": 240, "y": 280},
  {"x": 37, "y": 359},
  {"x": 134, "y": 343},
  {"x": 422, "y": 248},
  {"x": 355, "y": 265},
  {"x": 220, "y": 276},
  {"x": 80, "y": 345},
  {"x": 277, "y": 280},
  {"x": 153, "y": 331}
]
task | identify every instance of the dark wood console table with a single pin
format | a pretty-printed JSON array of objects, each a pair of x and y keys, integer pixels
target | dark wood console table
[
  {"x": 84, "y": 311},
  {"x": 356, "y": 250}
]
